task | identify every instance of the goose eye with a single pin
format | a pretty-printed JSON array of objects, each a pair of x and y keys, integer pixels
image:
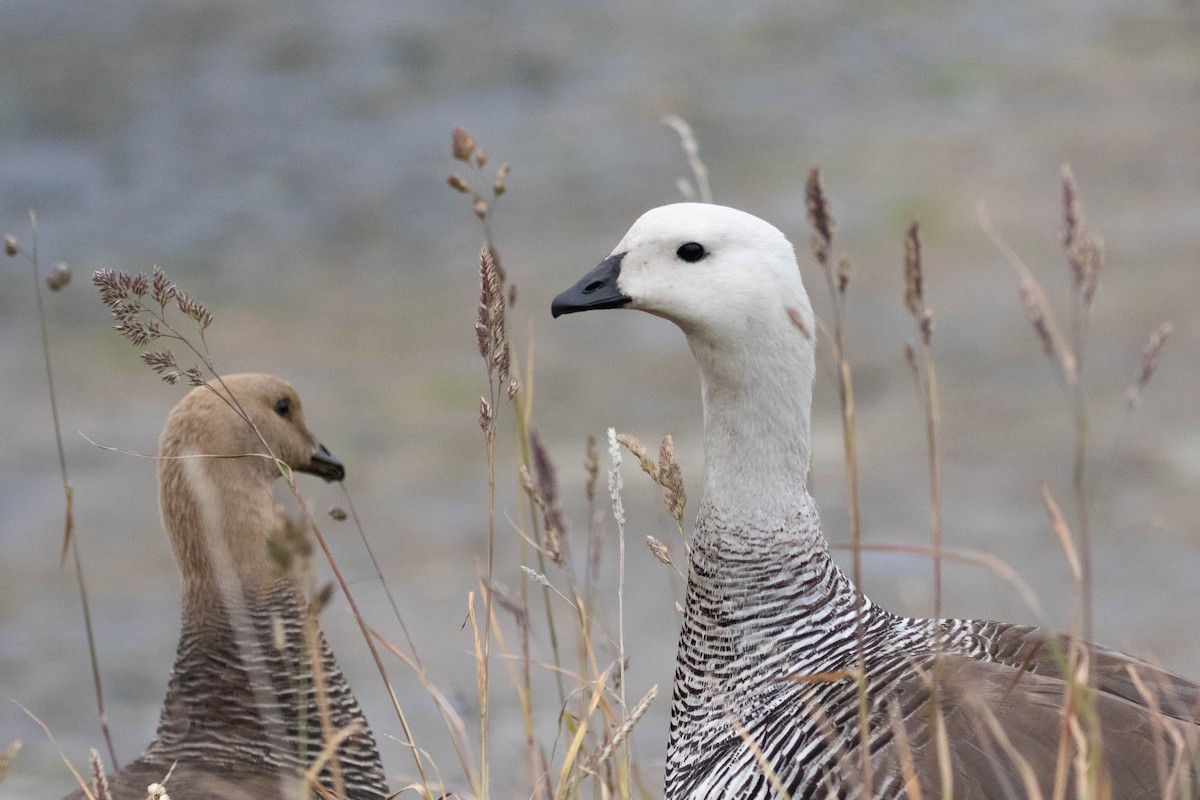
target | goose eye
[
  {"x": 283, "y": 407},
  {"x": 691, "y": 252}
]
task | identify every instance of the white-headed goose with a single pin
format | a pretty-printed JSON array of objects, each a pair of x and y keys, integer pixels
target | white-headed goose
[{"x": 767, "y": 606}]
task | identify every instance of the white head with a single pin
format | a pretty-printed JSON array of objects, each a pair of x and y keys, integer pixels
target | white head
[{"x": 730, "y": 281}]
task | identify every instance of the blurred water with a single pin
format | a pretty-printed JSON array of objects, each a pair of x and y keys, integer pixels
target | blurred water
[{"x": 286, "y": 162}]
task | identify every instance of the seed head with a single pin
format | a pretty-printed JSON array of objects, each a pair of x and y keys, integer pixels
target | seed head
[
  {"x": 614, "y": 477},
  {"x": 819, "y": 217},
  {"x": 1035, "y": 312},
  {"x": 458, "y": 184},
  {"x": 670, "y": 478},
  {"x": 338, "y": 514},
  {"x": 485, "y": 414},
  {"x": 480, "y": 158},
  {"x": 1072, "y": 214},
  {"x": 535, "y": 576},
  {"x": 60, "y": 276},
  {"x": 480, "y": 206},
  {"x": 1150, "y": 356},
  {"x": 501, "y": 184},
  {"x": 591, "y": 465},
  {"x": 913, "y": 280},
  {"x": 659, "y": 549},
  {"x": 547, "y": 485},
  {"x": 11, "y": 248},
  {"x": 463, "y": 144},
  {"x": 99, "y": 779},
  {"x": 638, "y": 450}
]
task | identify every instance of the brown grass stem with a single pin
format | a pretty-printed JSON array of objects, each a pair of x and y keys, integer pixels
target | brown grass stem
[
  {"x": 46, "y": 729},
  {"x": 362, "y": 623},
  {"x": 921, "y": 359},
  {"x": 387, "y": 589},
  {"x": 821, "y": 220},
  {"x": 70, "y": 540}
]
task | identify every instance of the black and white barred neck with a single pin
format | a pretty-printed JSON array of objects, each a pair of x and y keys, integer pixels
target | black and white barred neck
[
  {"x": 767, "y": 609},
  {"x": 242, "y": 692},
  {"x": 766, "y": 700}
]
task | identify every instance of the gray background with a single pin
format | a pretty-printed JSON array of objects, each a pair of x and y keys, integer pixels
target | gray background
[{"x": 286, "y": 163}]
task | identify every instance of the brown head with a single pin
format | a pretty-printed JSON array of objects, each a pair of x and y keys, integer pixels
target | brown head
[{"x": 219, "y": 511}]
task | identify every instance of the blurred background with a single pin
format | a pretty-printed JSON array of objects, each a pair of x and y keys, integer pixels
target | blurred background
[{"x": 286, "y": 163}]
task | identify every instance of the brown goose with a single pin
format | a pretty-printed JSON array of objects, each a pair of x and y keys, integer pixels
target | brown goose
[
  {"x": 762, "y": 704},
  {"x": 240, "y": 719}
]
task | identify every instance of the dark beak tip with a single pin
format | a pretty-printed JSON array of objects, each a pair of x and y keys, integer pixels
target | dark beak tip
[
  {"x": 325, "y": 465},
  {"x": 598, "y": 289}
]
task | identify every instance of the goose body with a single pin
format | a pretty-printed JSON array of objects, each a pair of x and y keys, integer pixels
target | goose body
[
  {"x": 241, "y": 717},
  {"x": 764, "y": 702}
]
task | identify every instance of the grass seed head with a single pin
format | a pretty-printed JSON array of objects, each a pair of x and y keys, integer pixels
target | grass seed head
[
  {"x": 670, "y": 478},
  {"x": 819, "y": 217},
  {"x": 60, "y": 276},
  {"x": 501, "y": 183},
  {"x": 485, "y": 414},
  {"x": 914, "y": 297},
  {"x": 462, "y": 144},
  {"x": 1084, "y": 249},
  {"x": 591, "y": 466},
  {"x": 659, "y": 549},
  {"x": 1035, "y": 312},
  {"x": 99, "y": 779},
  {"x": 1072, "y": 214},
  {"x": 638, "y": 450},
  {"x": 547, "y": 488},
  {"x": 1150, "y": 356},
  {"x": 11, "y": 247}
]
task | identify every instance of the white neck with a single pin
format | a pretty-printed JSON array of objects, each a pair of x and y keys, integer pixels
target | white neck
[{"x": 757, "y": 390}]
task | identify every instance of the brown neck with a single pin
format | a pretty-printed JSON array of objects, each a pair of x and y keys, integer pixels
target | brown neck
[
  {"x": 218, "y": 513},
  {"x": 242, "y": 688}
]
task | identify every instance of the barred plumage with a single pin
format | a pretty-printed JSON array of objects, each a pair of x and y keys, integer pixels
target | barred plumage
[
  {"x": 766, "y": 696},
  {"x": 241, "y": 719}
]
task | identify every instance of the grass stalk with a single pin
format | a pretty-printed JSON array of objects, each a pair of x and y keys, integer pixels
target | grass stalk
[
  {"x": 823, "y": 226},
  {"x": 920, "y": 358},
  {"x": 70, "y": 540}
]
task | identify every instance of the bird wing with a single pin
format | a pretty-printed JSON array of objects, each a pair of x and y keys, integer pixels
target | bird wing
[{"x": 1004, "y": 726}]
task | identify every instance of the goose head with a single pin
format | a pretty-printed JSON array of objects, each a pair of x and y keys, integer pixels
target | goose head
[
  {"x": 714, "y": 271},
  {"x": 730, "y": 282},
  {"x": 219, "y": 511},
  {"x": 206, "y": 421}
]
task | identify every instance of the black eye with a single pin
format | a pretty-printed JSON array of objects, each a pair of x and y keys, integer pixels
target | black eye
[
  {"x": 691, "y": 252},
  {"x": 283, "y": 407}
]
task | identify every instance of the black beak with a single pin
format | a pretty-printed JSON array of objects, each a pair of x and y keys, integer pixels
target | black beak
[
  {"x": 597, "y": 289},
  {"x": 323, "y": 464}
]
